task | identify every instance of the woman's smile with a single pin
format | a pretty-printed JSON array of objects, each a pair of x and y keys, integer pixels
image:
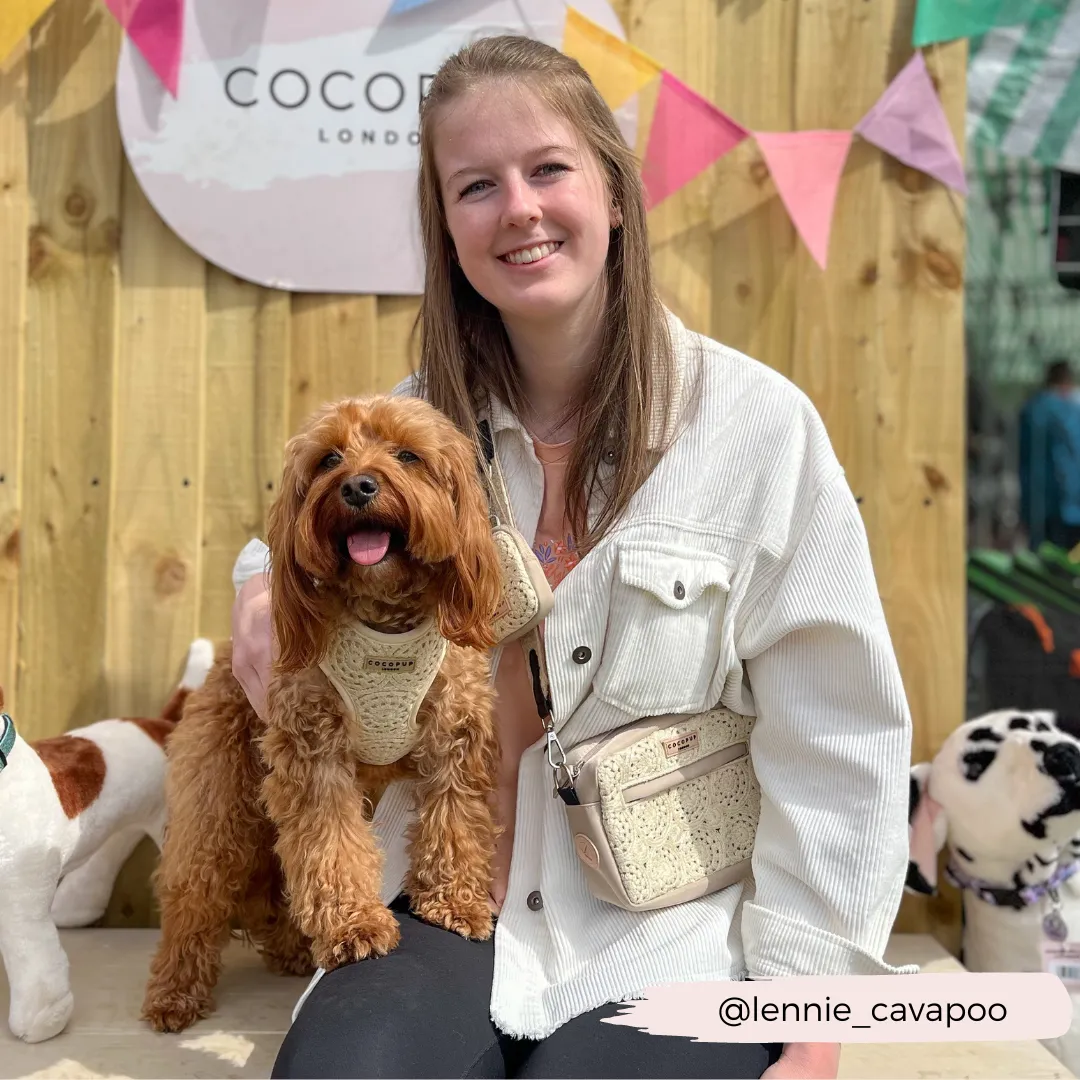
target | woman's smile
[{"x": 533, "y": 255}]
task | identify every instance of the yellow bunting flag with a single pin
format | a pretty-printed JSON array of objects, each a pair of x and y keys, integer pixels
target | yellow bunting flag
[
  {"x": 16, "y": 18},
  {"x": 618, "y": 69}
]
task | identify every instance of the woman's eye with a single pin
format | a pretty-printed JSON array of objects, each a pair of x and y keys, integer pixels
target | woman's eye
[
  {"x": 331, "y": 461},
  {"x": 406, "y": 457},
  {"x": 552, "y": 168},
  {"x": 472, "y": 189}
]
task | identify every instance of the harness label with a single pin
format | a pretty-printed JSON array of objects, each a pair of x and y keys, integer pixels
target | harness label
[{"x": 390, "y": 665}]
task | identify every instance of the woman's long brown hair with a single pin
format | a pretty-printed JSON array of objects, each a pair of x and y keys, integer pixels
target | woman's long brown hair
[{"x": 465, "y": 353}]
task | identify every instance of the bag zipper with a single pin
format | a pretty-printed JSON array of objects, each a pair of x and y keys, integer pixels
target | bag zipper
[{"x": 726, "y": 755}]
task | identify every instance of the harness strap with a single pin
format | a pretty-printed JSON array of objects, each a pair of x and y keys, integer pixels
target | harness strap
[{"x": 533, "y": 641}]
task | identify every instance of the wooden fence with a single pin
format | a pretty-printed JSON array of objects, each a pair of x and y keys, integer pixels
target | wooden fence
[{"x": 146, "y": 394}]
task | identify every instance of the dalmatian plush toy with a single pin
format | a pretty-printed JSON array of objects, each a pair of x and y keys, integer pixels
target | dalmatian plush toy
[
  {"x": 1003, "y": 797},
  {"x": 72, "y": 809}
]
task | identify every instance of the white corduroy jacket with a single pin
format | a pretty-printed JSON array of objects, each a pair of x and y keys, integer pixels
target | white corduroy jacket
[{"x": 778, "y": 616}]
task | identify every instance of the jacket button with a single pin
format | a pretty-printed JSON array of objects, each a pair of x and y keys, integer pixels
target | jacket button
[
  {"x": 680, "y": 590},
  {"x": 582, "y": 654},
  {"x": 535, "y": 901}
]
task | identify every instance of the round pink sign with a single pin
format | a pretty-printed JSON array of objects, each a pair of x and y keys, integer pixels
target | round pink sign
[{"x": 289, "y": 155}]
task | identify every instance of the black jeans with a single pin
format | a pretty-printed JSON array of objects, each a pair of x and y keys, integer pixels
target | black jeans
[{"x": 423, "y": 1011}]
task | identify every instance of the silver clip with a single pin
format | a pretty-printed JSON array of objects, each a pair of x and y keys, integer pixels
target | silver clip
[{"x": 556, "y": 758}]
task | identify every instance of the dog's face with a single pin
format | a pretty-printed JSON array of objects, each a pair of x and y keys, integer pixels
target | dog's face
[
  {"x": 381, "y": 502},
  {"x": 1009, "y": 784}
]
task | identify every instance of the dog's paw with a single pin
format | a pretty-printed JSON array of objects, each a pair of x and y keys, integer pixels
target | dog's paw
[
  {"x": 174, "y": 1011},
  {"x": 297, "y": 963},
  {"x": 469, "y": 918},
  {"x": 374, "y": 933}
]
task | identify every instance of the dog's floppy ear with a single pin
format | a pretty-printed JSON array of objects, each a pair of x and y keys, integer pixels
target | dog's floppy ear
[
  {"x": 472, "y": 591},
  {"x": 296, "y": 610},
  {"x": 927, "y": 832}
]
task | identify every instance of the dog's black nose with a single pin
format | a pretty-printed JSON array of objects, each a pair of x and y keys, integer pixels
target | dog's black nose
[
  {"x": 1063, "y": 762},
  {"x": 358, "y": 491}
]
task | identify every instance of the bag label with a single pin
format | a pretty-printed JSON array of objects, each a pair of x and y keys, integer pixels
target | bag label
[{"x": 680, "y": 744}]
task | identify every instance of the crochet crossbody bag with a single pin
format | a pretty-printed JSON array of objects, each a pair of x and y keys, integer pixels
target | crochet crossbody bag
[
  {"x": 661, "y": 811},
  {"x": 526, "y": 594}
]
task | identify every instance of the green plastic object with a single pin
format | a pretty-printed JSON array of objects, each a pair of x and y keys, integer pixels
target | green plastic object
[
  {"x": 1022, "y": 579},
  {"x": 994, "y": 588},
  {"x": 1030, "y": 568},
  {"x": 1057, "y": 560}
]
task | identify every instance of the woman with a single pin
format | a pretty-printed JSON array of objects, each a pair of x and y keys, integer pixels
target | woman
[{"x": 706, "y": 549}]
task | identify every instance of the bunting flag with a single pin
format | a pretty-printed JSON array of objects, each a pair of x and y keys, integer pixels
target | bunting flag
[
  {"x": 909, "y": 123},
  {"x": 806, "y": 167},
  {"x": 688, "y": 134},
  {"x": 156, "y": 29},
  {"x": 16, "y": 19},
  {"x": 1024, "y": 90},
  {"x": 617, "y": 68},
  {"x": 948, "y": 20},
  {"x": 1023, "y": 100}
]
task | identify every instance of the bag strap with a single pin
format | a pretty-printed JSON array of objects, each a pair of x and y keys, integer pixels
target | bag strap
[{"x": 533, "y": 641}]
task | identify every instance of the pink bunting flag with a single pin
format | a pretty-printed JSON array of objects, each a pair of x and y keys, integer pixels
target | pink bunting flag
[
  {"x": 688, "y": 134},
  {"x": 806, "y": 167},
  {"x": 156, "y": 28},
  {"x": 909, "y": 123}
]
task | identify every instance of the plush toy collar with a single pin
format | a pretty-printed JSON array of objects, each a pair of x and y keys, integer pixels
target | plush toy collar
[
  {"x": 7, "y": 738},
  {"x": 1010, "y": 898}
]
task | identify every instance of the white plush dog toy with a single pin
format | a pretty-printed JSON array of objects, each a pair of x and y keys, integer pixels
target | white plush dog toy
[
  {"x": 1003, "y": 795},
  {"x": 72, "y": 809}
]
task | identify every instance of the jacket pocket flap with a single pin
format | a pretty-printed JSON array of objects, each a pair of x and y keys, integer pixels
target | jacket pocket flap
[{"x": 676, "y": 577}]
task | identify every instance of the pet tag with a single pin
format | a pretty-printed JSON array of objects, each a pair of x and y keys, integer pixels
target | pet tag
[
  {"x": 1063, "y": 961},
  {"x": 1054, "y": 926}
]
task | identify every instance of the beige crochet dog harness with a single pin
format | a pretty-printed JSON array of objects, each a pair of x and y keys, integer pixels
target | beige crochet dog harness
[{"x": 382, "y": 680}]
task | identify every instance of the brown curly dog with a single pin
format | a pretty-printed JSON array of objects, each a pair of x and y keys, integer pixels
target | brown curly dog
[{"x": 381, "y": 519}]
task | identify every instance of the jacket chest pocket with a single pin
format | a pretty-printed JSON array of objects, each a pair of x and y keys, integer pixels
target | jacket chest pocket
[{"x": 665, "y": 630}]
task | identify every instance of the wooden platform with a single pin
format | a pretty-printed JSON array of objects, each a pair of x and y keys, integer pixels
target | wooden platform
[{"x": 106, "y": 1039}]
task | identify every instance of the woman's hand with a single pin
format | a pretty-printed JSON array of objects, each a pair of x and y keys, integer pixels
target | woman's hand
[
  {"x": 806, "y": 1061},
  {"x": 252, "y": 640}
]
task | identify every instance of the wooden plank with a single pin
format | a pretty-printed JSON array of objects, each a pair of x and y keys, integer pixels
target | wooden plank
[
  {"x": 154, "y": 557},
  {"x": 921, "y": 440},
  {"x": 14, "y": 224},
  {"x": 680, "y": 36},
  {"x": 751, "y": 272},
  {"x": 74, "y": 182},
  {"x": 247, "y": 365},
  {"x": 836, "y": 348},
  {"x": 398, "y": 347},
  {"x": 334, "y": 351},
  {"x": 159, "y": 435},
  {"x": 717, "y": 242}
]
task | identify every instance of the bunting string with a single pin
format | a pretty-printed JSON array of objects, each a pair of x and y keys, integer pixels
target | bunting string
[{"x": 688, "y": 133}]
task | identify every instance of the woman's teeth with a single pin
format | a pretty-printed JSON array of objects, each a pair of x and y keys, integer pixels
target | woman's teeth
[{"x": 529, "y": 255}]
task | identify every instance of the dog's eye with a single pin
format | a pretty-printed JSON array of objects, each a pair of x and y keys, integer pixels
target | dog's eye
[
  {"x": 406, "y": 456},
  {"x": 331, "y": 461}
]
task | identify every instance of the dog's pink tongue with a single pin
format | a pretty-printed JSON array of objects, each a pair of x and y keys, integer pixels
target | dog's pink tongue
[{"x": 368, "y": 546}]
